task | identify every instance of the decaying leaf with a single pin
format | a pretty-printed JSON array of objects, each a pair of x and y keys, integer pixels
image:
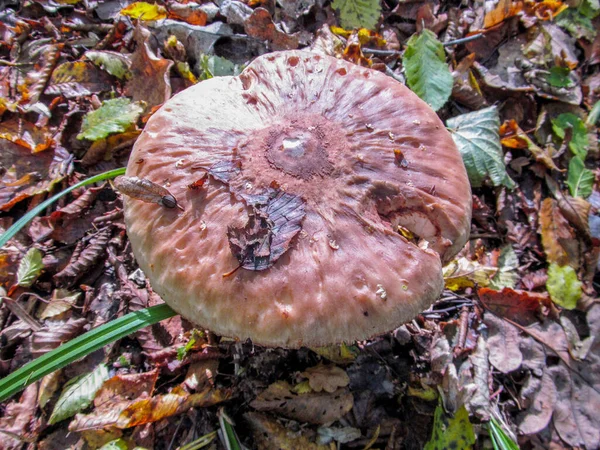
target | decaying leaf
[
  {"x": 260, "y": 25},
  {"x": 312, "y": 407},
  {"x": 53, "y": 336},
  {"x": 146, "y": 191},
  {"x": 514, "y": 137},
  {"x": 558, "y": 238},
  {"x": 326, "y": 378},
  {"x": 521, "y": 307},
  {"x": 26, "y": 134},
  {"x": 78, "y": 79},
  {"x": 273, "y": 221},
  {"x": 271, "y": 435},
  {"x": 477, "y": 137},
  {"x": 503, "y": 341},
  {"x": 462, "y": 273},
  {"x": 450, "y": 432},
  {"x": 18, "y": 421},
  {"x": 116, "y": 64}
]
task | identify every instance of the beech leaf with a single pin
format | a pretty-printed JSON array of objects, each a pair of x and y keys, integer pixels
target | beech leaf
[
  {"x": 580, "y": 179},
  {"x": 78, "y": 394},
  {"x": 358, "y": 13},
  {"x": 117, "y": 64},
  {"x": 454, "y": 432},
  {"x": 145, "y": 11},
  {"x": 30, "y": 267},
  {"x": 114, "y": 116},
  {"x": 563, "y": 286},
  {"x": 476, "y": 136},
  {"x": 427, "y": 73},
  {"x": 579, "y": 139}
]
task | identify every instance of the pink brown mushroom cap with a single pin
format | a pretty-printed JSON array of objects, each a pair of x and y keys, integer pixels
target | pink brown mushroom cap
[{"x": 319, "y": 161}]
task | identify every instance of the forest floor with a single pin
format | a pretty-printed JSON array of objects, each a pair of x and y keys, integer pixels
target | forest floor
[{"x": 512, "y": 345}]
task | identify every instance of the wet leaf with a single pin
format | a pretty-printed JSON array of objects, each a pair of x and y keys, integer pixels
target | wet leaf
[
  {"x": 274, "y": 219},
  {"x": 145, "y": 11},
  {"x": 563, "y": 286},
  {"x": 116, "y": 64},
  {"x": 579, "y": 138},
  {"x": 427, "y": 73},
  {"x": 145, "y": 190},
  {"x": 358, "y": 13},
  {"x": 326, "y": 378},
  {"x": 477, "y": 137},
  {"x": 30, "y": 267},
  {"x": 311, "y": 407},
  {"x": 521, "y": 307},
  {"x": 77, "y": 79},
  {"x": 451, "y": 432},
  {"x": 114, "y": 116},
  {"x": 580, "y": 179},
  {"x": 78, "y": 394}
]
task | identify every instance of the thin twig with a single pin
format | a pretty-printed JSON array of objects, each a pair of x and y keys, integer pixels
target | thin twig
[{"x": 464, "y": 40}]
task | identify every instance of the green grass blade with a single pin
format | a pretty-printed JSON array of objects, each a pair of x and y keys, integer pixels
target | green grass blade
[
  {"x": 81, "y": 346},
  {"x": 500, "y": 439},
  {"x": 39, "y": 208}
]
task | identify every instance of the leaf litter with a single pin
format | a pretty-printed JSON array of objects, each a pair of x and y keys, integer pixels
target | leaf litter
[{"x": 516, "y": 330}]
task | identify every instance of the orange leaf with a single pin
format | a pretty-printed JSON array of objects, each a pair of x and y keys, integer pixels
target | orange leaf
[
  {"x": 504, "y": 10},
  {"x": 522, "y": 307}
]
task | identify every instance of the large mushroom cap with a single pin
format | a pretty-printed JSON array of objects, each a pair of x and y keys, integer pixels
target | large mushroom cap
[{"x": 335, "y": 191}]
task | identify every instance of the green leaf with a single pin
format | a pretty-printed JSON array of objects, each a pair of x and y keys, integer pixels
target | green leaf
[
  {"x": 590, "y": 8},
  {"x": 117, "y": 444},
  {"x": 594, "y": 114},
  {"x": 579, "y": 139},
  {"x": 114, "y": 116},
  {"x": 19, "y": 224},
  {"x": 563, "y": 286},
  {"x": 427, "y": 73},
  {"x": 577, "y": 24},
  {"x": 358, "y": 13},
  {"x": 117, "y": 64},
  {"x": 500, "y": 439},
  {"x": 476, "y": 136},
  {"x": 78, "y": 394},
  {"x": 580, "y": 179},
  {"x": 559, "y": 77},
  {"x": 81, "y": 346},
  {"x": 30, "y": 267},
  {"x": 216, "y": 66},
  {"x": 454, "y": 432}
]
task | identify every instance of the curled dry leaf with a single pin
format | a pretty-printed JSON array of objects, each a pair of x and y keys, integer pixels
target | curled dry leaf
[
  {"x": 312, "y": 407},
  {"x": 146, "y": 191},
  {"x": 49, "y": 338},
  {"x": 326, "y": 378},
  {"x": 271, "y": 435}
]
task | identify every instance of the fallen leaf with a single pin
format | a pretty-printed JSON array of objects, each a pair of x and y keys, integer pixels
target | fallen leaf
[
  {"x": 126, "y": 387},
  {"x": 508, "y": 263},
  {"x": 521, "y": 307},
  {"x": 145, "y": 11},
  {"x": 513, "y": 137},
  {"x": 450, "y": 432},
  {"x": 580, "y": 179},
  {"x": 150, "y": 81},
  {"x": 270, "y": 435},
  {"x": 260, "y": 26},
  {"x": 477, "y": 137},
  {"x": 503, "y": 341},
  {"x": 312, "y": 407},
  {"x": 463, "y": 273},
  {"x": 537, "y": 416},
  {"x": 30, "y": 267},
  {"x": 326, "y": 378},
  {"x": 116, "y": 64},
  {"x": 145, "y": 190},
  {"x": 579, "y": 138},
  {"x": 26, "y": 135},
  {"x": 427, "y": 73},
  {"x": 78, "y": 394},
  {"x": 358, "y": 13},
  {"x": 505, "y": 9},
  {"x": 54, "y": 335},
  {"x": 563, "y": 286},
  {"x": 558, "y": 238},
  {"x": 77, "y": 79},
  {"x": 114, "y": 116},
  {"x": 18, "y": 419}
]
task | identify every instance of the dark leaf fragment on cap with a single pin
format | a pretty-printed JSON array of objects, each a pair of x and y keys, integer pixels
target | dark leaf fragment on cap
[
  {"x": 146, "y": 191},
  {"x": 274, "y": 219}
]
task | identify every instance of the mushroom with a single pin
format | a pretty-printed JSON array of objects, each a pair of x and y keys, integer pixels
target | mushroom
[{"x": 331, "y": 197}]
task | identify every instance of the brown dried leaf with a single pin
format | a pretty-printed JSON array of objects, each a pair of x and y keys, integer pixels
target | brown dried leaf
[
  {"x": 50, "y": 338},
  {"x": 62, "y": 300},
  {"x": 519, "y": 306},
  {"x": 273, "y": 222},
  {"x": 326, "y": 378},
  {"x": 538, "y": 415},
  {"x": 145, "y": 190},
  {"x": 312, "y": 407},
  {"x": 19, "y": 420},
  {"x": 505, "y": 9},
  {"x": 271, "y": 435},
  {"x": 558, "y": 238},
  {"x": 260, "y": 26},
  {"x": 513, "y": 137},
  {"x": 26, "y": 135},
  {"x": 150, "y": 81},
  {"x": 503, "y": 341},
  {"x": 126, "y": 387},
  {"x": 201, "y": 374},
  {"x": 78, "y": 79}
]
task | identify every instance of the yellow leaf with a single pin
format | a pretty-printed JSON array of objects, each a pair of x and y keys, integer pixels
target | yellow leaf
[{"x": 145, "y": 11}]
